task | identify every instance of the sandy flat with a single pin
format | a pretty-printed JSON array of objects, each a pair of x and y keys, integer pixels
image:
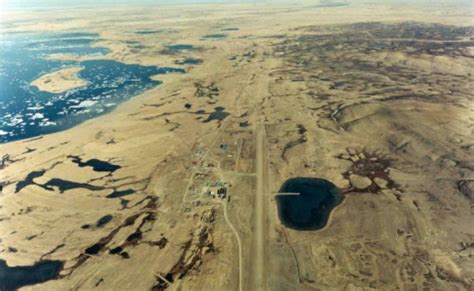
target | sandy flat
[{"x": 60, "y": 81}]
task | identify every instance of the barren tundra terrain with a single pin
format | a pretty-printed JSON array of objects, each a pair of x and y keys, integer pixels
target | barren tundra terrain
[{"x": 376, "y": 99}]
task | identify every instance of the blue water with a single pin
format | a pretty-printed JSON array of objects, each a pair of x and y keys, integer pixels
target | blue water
[
  {"x": 27, "y": 112},
  {"x": 12, "y": 278},
  {"x": 180, "y": 47},
  {"x": 310, "y": 209},
  {"x": 73, "y": 34},
  {"x": 60, "y": 42}
]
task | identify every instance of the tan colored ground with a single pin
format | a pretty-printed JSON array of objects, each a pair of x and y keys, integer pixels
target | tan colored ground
[
  {"x": 404, "y": 105},
  {"x": 60, "y": 81}
]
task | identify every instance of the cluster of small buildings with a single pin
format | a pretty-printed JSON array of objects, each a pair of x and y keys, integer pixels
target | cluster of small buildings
[{"x": 216, "y": 189}]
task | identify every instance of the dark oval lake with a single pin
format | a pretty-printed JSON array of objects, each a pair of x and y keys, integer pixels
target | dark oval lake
[{"x": 310, "y": 209}]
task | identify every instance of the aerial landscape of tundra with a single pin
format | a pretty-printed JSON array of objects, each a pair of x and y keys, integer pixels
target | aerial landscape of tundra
[{"x": 250, "y": 145}]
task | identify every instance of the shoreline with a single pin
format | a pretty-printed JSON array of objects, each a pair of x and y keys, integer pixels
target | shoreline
[{"x": 94, "y": 119}]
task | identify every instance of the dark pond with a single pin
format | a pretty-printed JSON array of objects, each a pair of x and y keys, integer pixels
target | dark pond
[
  {"x": 179, "y": 47},
  {"x": 65, "y": 185},
  {"x": 97, "y": 165},
  {"x": 134, "y": 236},
  {"x": 27, "y": 112},
  {"x": 104, "y": 220},
  {"x": 124, "y": 202},
  {"x": 148, "y": 31},
  {"x": 311, "y": 208},
  {"x": 218, "y": 114},
  {"x": 230, "y": 29},
  {"x": 217, "y": 35},
  {"x": 12, "y": 278},
  {"x": 94, "y": 249},
  {"x": 29, "y": 180},
  {"x": 244, "y": 124},
  {"x": 115, "y": 250},
  {"x": 122, "y": 193}
]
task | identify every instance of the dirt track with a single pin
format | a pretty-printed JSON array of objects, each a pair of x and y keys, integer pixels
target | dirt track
[{"x": 258, "y": 282}]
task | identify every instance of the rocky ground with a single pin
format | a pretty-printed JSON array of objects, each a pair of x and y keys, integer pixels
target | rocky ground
[{"x": 391, "y": 116}]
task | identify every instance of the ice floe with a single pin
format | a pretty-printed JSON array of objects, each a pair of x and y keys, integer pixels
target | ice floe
[
  {"x": 84, "y": 104},
  {"x": 37, "y": 116}
]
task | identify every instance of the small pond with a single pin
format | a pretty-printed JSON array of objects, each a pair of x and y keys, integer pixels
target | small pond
[{"x": 216, "y": 36}]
